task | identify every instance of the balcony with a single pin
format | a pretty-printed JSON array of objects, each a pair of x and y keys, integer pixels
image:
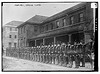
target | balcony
[{"x": 61, "y": 30}]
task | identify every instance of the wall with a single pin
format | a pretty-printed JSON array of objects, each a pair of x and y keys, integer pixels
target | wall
[{"x": 6, "y": 39}]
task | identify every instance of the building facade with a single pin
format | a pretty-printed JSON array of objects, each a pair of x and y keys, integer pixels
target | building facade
[
  {"x": 29, "y": 29},
  {"x": 10, "y": 34},
  {"x": 72, "y": 25}
]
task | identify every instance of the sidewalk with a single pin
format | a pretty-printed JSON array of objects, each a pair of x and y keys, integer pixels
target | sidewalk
[{"x": 14, "y": 64}]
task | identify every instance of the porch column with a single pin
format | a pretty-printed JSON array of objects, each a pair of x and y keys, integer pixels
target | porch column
[
  {"x": 44, "y": 41},
  {"x": 27, "y": 43},
  {"x": 54, "y": 40},
  {"x": 69, "y": 37},
  {"x": 35, "y": 42}
]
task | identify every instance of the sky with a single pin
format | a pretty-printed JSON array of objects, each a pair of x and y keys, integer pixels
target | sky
[{"x": 24, "y": 11}]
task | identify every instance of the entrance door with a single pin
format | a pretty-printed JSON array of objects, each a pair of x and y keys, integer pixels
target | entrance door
[
  {"x": 49, "y": 41},
  {"x": 39, "y": 42},
  {"x": 31, "y": 43},
  {"x": 77, "y": 37},
  {"x": 62, "y": 39}
]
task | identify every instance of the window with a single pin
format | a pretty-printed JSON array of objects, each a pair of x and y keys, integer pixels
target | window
[
  {"x": 51, "y": 26},
  {"x": 24, "y": 41},
  {"x": 15, "y": 29},
  {"x": 10, "y": 29},
  {"x": 57, "y": 24},
  {"x": 15, "y": 36},
  {"x": 72, "y": 20},
  {"x": 9, "y": 36},
  {"x": 21, "y": 30},
  {"x": 80, "y": 17},
  {"x": 24, "y": 29},
  {"x": 9, "y": 44},
  {"x": 42, "y": 29},
  {"x": 15, "y": 45},
  {"x": 46, "y": 28},
  {"x": 35, "y": 28},
  {"x": 64, "y": 22}
]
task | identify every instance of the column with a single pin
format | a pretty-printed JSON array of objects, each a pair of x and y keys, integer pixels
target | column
[
  {"x": 44, "y": 41},
  {"x": 35, "y": 42},
  {"x": 54, "y": 40},
  {"x": 69, "y": 37},
  {"x": 86, "y": 37}
]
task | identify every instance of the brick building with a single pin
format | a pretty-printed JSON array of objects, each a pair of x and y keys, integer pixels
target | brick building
[
  {"x": 10, "y": 34},
  {"x": 29, "y": 29},
  {"x": 70, "y": 25}
]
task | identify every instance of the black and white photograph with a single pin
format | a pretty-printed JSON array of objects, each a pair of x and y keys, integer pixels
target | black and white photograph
[{"x": 49, "y": 36}]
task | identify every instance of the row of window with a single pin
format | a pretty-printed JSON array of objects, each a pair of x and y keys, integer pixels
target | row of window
[
  {"x": 11, "y": 36},
  {"x": 11, "y": 44},
  {"x": 57, "y": 24},
  {"x": 22, "y": 30},
  {"x": 13, "y": 29},
  {"x": 51, "y": 26},
  {"x": 22, "y": 42}
]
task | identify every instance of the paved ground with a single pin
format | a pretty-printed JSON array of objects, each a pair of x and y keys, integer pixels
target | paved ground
[{"x": 14, "y": 64}]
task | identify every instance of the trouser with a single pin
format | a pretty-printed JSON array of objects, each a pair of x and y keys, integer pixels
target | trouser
[
  {"x": 60, "y": 60},
  {"x": 92, "y": 63},
  {"x": 83, "y": 62},
  {"x": 31, "y": 56},
  {"x": 50, "y": 58},
  {"x": 53, "y": 59},
  {"x": 40, "y": 57},
  {"x": 43, "y": 58},
  {"x": 56, "y": 59},
  {"x": 64, "y": 60},
  {"x": 77, "y": 61},
  {"x": 47, "y": 58},
  {"x": 70, "y": 62}
]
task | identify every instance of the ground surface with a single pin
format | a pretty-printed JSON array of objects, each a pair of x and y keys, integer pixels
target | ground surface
[{"x": 14, "y": 64}]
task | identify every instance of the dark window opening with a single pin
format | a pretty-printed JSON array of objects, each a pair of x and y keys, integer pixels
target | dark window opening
[
  {"x": 46, "y": 28},
  {"x": 15, "y": 44},
  {"x": 10, "y": 29},
  {"x": 51, "y": 26},
  {"x": 35, "y": 28},
  {"x": 9, "y": 44},
  {"x": 9, "y": 36},
  {"x": 15, "y": 36},
  {"x": 41, "y": 29}
]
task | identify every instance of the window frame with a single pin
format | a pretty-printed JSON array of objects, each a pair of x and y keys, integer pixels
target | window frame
[
  {"x": 81, "y": 17},
  {"x": 46, "y": 27},
  {"x": 57, "y": 26},
  {"x": 64, "y": 22},
  {"x": 71, "y": 20},
  {"x": 35, "y": 28},
  {"x": 10, "y": 28}
]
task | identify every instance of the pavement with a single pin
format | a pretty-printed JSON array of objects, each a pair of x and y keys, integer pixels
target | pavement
[{"x": 15, "y": 64}]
